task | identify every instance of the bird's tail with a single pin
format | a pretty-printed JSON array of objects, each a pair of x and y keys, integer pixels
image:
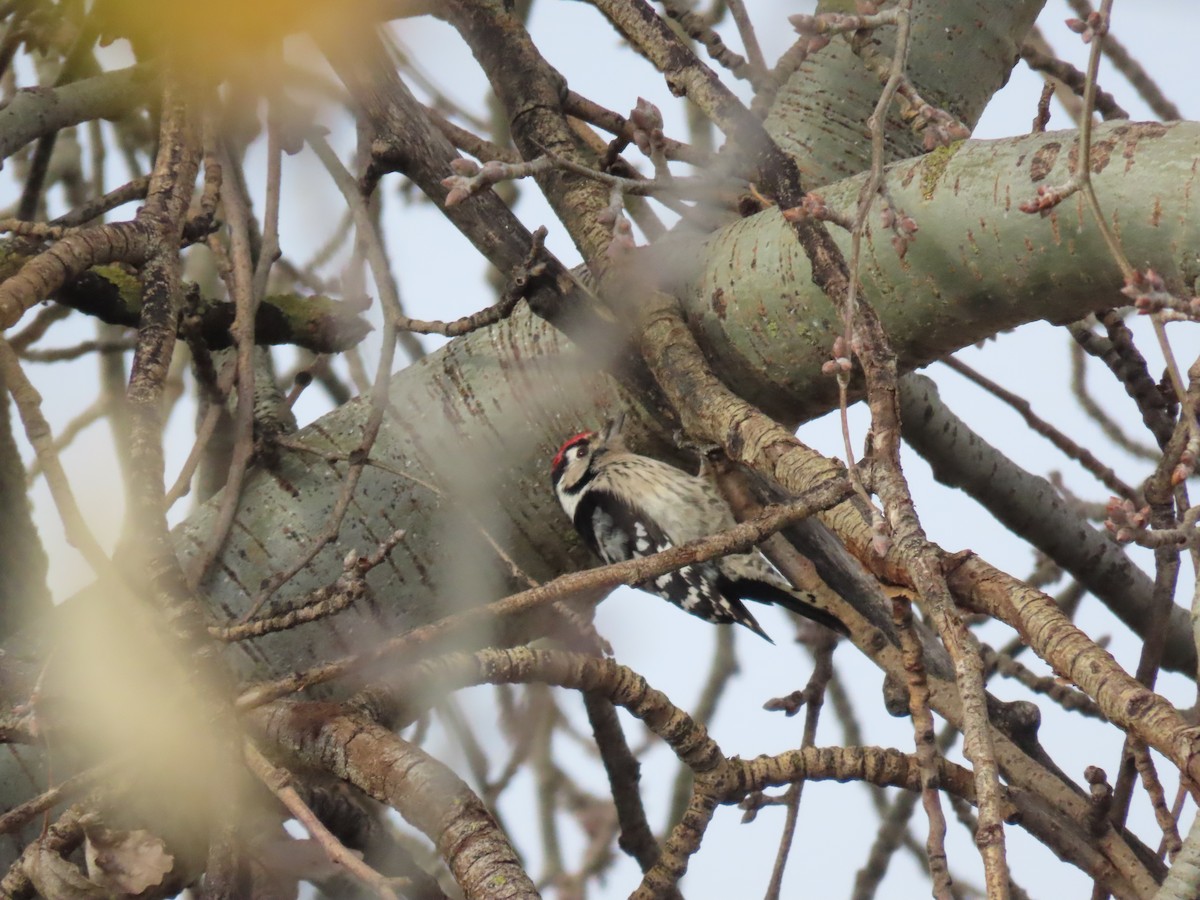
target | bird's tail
[{"x": 802, "y": 603}]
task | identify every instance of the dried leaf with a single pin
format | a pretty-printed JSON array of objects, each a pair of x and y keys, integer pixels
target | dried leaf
[
  {"x": 57, "y": 879},
  {"x": 128, "y": 861}
]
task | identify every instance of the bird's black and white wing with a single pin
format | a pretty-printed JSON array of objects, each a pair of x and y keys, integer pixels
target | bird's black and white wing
[{"x": 617, "y": 530}]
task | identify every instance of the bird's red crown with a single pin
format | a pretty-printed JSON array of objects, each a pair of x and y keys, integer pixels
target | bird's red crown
[{"x": 568, "y": 444}]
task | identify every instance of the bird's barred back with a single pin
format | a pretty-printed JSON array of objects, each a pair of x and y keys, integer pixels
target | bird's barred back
[{"x": 628, "y": 506}]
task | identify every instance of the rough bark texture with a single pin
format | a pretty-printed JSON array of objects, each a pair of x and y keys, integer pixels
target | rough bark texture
[{"x": 961, "y": 54}]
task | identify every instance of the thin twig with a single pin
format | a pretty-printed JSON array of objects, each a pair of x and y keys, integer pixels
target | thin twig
[
  {"x": 279, "y": 782},
  {"x": 14, "y": 819},
  {"x": 1134, "y": 72},
  {"x": 517, "y": 287},
  {"x": 1104, "y": 474},
  {"x": 70, "y": 431},
  {"x": 700, "y": 31},
  {"x": 241, "y": 287},
  {"x": 1088, "y": 342},
  {"x": 927, "y": 755},
  {"x": 65, "y": 354},
  {"x": 319, "y": 604},
  {"x": 1063, "y": 71},
  {"x": 593, "y": 113},
  {"x": 1154, "y": 790},
  {"x": 741, "y": 18},
  {"x": 722, "y": 667},
  {"x": 37, "y": 328},
  {"x": 472, "y": 179},
  {"x": 204, "y": 433},
  {"x": 37, "y": 430},
  {"x": 268, "y": 250},
  {"x": 1067, "y": 697},
  {"x": 814, "y": 699},
  {"x": 622, "y": 768}
]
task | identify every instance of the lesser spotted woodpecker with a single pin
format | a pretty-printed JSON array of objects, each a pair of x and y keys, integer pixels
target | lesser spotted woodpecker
[{"x": 626, "y": 506}]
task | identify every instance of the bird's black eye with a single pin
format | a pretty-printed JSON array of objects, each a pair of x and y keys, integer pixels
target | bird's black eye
[{"x": 580, "y": 450}]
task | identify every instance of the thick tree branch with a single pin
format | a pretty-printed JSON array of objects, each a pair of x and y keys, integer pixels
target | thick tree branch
[
  {"x": 403, "y": 776},
  {"x": 31, "y": 114},
  {"x": 1033, "y": 509}
]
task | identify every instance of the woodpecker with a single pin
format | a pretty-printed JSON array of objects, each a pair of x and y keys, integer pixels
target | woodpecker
[{"x": 626, "y": 506}]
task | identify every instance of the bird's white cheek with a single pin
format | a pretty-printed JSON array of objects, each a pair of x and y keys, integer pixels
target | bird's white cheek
[{"x": 569, "y": 502}]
